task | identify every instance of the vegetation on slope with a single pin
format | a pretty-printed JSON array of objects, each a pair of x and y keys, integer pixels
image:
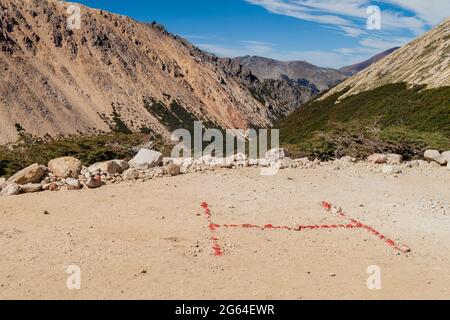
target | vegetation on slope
[
  {"x": 89, "y": 149},
  {"x": 392, "y": 118}
]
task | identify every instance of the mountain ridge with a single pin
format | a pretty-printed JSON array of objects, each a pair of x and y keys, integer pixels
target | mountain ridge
[{"x": 57, "y": 81}]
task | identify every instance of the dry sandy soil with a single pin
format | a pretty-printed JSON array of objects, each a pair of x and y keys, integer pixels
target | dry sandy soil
[{"x": 151, "y": 240}]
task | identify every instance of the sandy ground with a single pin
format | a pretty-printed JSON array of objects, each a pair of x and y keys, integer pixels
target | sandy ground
[{"x": 150, "y": 240}]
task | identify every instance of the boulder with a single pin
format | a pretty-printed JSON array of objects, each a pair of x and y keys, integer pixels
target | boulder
[
  {"x": 434, "y": 155},
  {"x": 94, "y": 183},
  {"x": 167, "y": 160},
  {"x": 111, "y": 167},
  {"x": 130, "y": 174},
  {"x": 31, "y": 174},
  {"x": 394, "y": 159},
  {"x": 388, "y": 169},
  {"x": 2, "y": 183},
  {"x": 378, "y": 158},
  {"x": 31, "y": 187},
  {"x": 172, "y": 169},
  {"x": 303, "y": 162},
  {"x": 65, "y": 167},
  {"x": 446, "y": 156},
  {"x": 73, "y": 184},
  {"x": 146, "y": 159},
  {"x": 11, "y": 189}
]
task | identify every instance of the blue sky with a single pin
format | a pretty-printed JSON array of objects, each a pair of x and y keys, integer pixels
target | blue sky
[{"x": 329, "y": 33}]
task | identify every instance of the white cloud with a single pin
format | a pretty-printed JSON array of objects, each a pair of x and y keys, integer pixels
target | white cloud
[{"x": 431, "y": 11}]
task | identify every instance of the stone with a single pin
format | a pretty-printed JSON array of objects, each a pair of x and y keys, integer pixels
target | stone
[
  {"x": 65, "y": 167},
  {"x": 347, "y": 159},
  {"x": 446, "y": 156},
  {"x": 287, "y": 163},
  {"x": 388, "y": 169},
  {"x": 73, "y": 184},
  {"x": 31, "y": 187},
  {"x": 303, "y": 162},
  {"x": 2, "y": 183},
  {"x": 94, "y": 183},
  {"x": 172, "y": 169},
  {"x": 166, "y": 161},
  {"x": 378, "y": 158},
  {"x": 276, "y": 154},
  {"x": 123, "y": 164},
  {"x": 394, "y": 159},
  {"x": 434, "y": 155},
  {"x": 130, "y": 174},
  {"x": 146, "y": 159},
  {"x": 111, "y": 167},
  {"x": 11, "y": 189},
  {"x": 31, "y": 174}
]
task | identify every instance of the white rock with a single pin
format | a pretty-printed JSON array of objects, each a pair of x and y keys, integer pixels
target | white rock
[
  {"x": 388, "y": 169},
  {"x": 378, "y": 158},
  {"x": 30, "y": 174},
  {"x": 146, "y": 159},
  {"x": 446, "y": 156},
  {"x": 130, "y": 174},
  {"x": 434, "y": 155},
  {"x": 172, "y": 169},
  {"x": 167, "y": 160},
  {"x": 275, "y": 154},
  {"x": 11, "y": 189},
  {"x": 31, "y": 187},
  {"x": 394, "y": 159},
  {"x": 65, "y": 167},
  {"x": 287, "y": 163},
  {"x": 2, "y": 183},
  {"x": 303, "y": 162},
  {"x": 73, "y": 184}
]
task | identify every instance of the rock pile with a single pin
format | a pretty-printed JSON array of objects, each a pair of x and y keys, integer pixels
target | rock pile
[{"x": 69, "y": 173}]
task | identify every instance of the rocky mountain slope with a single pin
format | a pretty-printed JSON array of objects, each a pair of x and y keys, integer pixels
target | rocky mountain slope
[
  {"x": 112, "y": 74},
  {"x": 425, "y": 61},
  {"x": 264, "y": 68},
  {"x": 399, "y": 104},
  {"x": 356, "y": 68}
]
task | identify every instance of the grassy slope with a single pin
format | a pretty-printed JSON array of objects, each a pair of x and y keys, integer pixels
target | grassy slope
[{"x": 391, "y": 118}]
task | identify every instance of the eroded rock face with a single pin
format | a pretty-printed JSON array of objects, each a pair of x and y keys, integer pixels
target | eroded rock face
[
  {"x": 35, "y": 43},
  {"x": 31, "y": 174},
  {"x": 65, "y": 167}
]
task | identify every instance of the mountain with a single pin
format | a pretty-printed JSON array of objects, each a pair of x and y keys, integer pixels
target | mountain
[
  {"x": 264, "y": 68},
  {"x": 114, "y": 74},
  {"x": 424, "y": 61},
  {"x": 279, "y": 96},
  {"x": 356, "y": 68},
  {"x": 399, "y": 104}
]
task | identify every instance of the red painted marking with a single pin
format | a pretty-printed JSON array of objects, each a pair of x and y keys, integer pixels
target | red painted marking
[
  {"x": 212, "y": 227},
  {"x": 354, "y": 224}
]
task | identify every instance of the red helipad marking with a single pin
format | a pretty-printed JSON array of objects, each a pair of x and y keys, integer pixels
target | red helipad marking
[{"x": 354, "y": 224}]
